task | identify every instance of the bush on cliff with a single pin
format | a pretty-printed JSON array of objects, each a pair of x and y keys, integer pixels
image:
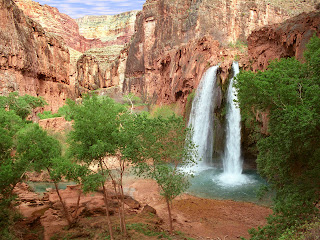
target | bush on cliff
[{"x": 289, "y": 153}]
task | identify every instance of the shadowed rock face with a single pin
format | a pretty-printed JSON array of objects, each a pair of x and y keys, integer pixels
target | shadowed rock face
[
  {"x": 283, "y": 40},
  {"x": 32, "y": 62},
  {"x": 89, "y": 76},
  {"x": 175, "y": 41}
]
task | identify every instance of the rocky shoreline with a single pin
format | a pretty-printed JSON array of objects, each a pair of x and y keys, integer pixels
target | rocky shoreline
[{"x": 198, "y": 218}]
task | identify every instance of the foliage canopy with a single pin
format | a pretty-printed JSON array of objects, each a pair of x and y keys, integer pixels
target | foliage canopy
[{"x": 289, "y": 154}]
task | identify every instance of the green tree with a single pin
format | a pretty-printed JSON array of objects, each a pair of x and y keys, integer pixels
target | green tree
[
  {"x": 164, "y": 146},
  {"x": 95, "y": 134},
  {"x": 14, "y": 110},
  {"x": 35, "y": 146},
  {"x": 289, "y": 154},
  {"x": 132, "y": 99},
  {"x": 23, "y": 106},
  {"x": 11, "y": 168}
]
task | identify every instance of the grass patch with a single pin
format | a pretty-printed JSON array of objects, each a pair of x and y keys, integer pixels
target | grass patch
[
  {"x": 48, "y": 114},
  {"x": 188, "y": 107},
  {"x": 148, "y": 230},
  {"x": 165, "y": 111},
  {"x": 63, "y": 111},
  {"x": 239, "y": 45}
]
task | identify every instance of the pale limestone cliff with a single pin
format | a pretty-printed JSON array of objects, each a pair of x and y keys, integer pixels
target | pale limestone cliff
[{"x": 116, "y": 28}]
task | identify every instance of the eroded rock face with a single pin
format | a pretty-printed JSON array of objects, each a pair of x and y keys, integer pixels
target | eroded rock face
[
  {"x": 32, "y": 61},
  {"x": 176, "y": 72},
  {"x": 115, "y": 29},
  {"x": 98, "y": 40},
  {"x": 175, "y": 41},
  {"x": 288, "y": 39},
  {"x": 89, "y": 75},
  {"x": 59, "y": 24}
]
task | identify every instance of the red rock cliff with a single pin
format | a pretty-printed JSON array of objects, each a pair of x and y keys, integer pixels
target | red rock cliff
[
  {"x": 59, "y": 24},
  {"x": 32, "y": 62},
  {"x": 100, "y": 38},
  {"x": 283, "y": 40},
  {"x": 176, "y": 40}
]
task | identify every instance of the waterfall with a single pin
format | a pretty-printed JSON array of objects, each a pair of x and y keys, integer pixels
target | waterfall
[
  {"x": 201, "y": 117},
  {"x": 232, "y": 161}
]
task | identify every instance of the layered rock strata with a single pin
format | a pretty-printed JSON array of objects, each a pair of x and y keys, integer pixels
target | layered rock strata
[
  {"x": 32, "y": 61},
  {"x": 115, "y": 29}
]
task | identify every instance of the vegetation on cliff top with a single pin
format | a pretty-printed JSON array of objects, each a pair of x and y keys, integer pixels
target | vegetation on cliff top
[{"x": 289, "y": 154}]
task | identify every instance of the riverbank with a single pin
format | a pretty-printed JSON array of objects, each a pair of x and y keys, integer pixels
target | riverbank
[
  {"x": 202, "y": 218},
  {"x": 196, "y": 218}
]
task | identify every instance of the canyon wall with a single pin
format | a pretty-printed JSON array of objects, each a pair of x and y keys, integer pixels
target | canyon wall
[
  {"x": 96, "y": 40},
  {"x": 115, "y": 29},
  {"x": 175, "y": 42},
  {"x": 287, "y": 39},
  {"x": 58, "y": 24},
  {"x": 283, "y": 40},
  {"x": 32, "y": 61}
]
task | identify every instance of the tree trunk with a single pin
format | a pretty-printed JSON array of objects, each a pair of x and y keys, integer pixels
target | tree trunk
[
  {"x": 64, "y": 207},
  {"x": 170, "y": 218},
  {"x": 75, "y": 216},
  {"x": 105, "y": 197},
  {"x": 122, "y": 197},
  {"x": 66, "y": 213},
  {"x": 122, "y": 210},
  {"x": 118, "y": 201}
]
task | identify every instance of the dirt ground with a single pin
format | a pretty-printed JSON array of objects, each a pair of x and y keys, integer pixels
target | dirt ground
[
  {"x": 202, "y": 218},
  {"x": 195, "y": 217}
]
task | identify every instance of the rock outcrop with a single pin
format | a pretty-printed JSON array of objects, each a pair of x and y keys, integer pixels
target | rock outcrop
[
  {"x": 283, "y": 40},
  {"x": 175, "y": 41},
  {"x": 95, "y": 45},
  {"x": 175, "y": 73},
  {"x": 173, "y": 44},
  {"x": 32, "y": 61}
]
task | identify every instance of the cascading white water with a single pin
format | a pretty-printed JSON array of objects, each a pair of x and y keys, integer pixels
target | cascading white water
[
  {"x": 232, "y": 161},
  {"x": 201, "y": 117}
]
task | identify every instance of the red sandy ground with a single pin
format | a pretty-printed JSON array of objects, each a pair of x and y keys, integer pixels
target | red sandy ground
[{"x": 203, "y": 218}]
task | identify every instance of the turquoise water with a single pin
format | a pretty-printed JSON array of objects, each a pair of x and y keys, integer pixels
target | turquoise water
[
  {"x": 40, "y": 187},
  {"x": 211, "y": 183}
]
